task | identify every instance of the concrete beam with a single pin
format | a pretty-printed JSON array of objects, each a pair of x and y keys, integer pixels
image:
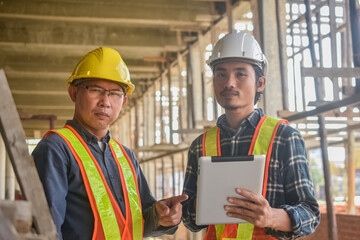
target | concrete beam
[
  {"x": 102, "y": 20},
  {"x": 36, "y": 76},
  {"x": 129, "y": 12},
  {"x": 83, "y": 33},
  {"x": 52, "y": 100},
  {"x": 55, "y": 63},
  {"x": 74, "y": 50}
]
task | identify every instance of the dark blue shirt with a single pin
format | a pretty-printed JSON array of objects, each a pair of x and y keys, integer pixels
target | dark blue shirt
[
  {"x": 65, "y": 190},
  {"x": 289, "y": 183}
]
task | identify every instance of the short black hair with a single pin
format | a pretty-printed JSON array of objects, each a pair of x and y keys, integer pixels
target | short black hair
[{"x": 258, "y": 73}]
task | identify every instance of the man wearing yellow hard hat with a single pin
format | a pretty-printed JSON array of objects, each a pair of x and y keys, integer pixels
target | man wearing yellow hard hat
[{"x": 94, "y": 185}]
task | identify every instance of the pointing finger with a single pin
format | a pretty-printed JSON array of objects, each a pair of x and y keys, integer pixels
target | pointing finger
[{"x": 179, "y": 199}]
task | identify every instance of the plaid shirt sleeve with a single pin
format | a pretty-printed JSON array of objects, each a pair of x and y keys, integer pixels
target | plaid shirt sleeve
[
  {"x": 190, "y": 187},
  {"x": 300, "y": 205},
  {"x": 289, "y": 188}
]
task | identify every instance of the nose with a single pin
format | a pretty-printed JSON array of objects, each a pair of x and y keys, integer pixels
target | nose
[
  {"x": 230, "y": 81},
  {"x": 104, "y": 101}
]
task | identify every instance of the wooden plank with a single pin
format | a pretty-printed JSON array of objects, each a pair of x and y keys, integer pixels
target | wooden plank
[
  {"x": 23, "y": 164},
  {"x": 7, "y": 231},
  {"x": 19, "y": 213}
]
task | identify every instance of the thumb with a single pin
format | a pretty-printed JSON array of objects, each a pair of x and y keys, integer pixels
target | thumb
[{"x": 162, "y": 208}]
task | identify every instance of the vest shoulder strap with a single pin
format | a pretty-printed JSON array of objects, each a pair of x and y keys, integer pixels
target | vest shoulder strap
[
  {"x": 210, "y": 139},
  {"x": 129, "y": 177},
  {"x": 94, "y": 182},
  {"x": 264, "y": 135}
]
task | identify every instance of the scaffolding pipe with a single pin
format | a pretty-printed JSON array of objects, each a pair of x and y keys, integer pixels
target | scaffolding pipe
[
  {"x": 333, "y": 30},
  {"x": 154, "y": 98},
  {"x": 351, "y": 172},
  {"x": 162, "y": 178},
  {"x": 136, "y": 137},
  {"x": 155, "y": 180},
  {"x": 173, "y": 174},
  {"x": 170, "y": 103},
  {"x": 355, "y": 36},
  {"x": 161, "y": 105},
  {"x": 181, "y": 80},
  {"x": 353, "y": 99},
  {"x": 282, "y": 57},
  {"x": 202, "y": 75},
  {"x": 229, "y": 15},
  {"x": 190, "y": 93},
  {"x": 332, "y": 228},
  {"x": 145, "y": 129}
]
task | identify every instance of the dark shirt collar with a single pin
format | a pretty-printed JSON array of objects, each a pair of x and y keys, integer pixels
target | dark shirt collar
[
  {"x": 86, "y": 135},
  {"x": 251, "y": 120}
]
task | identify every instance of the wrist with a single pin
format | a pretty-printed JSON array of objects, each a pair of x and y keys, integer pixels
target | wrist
[
  {"x": 155, "y": 215},
  {"x": 279, "y": 220},
  {"x": 272, "y": 219}
]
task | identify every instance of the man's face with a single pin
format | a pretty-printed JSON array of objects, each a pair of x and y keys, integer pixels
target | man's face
[
  {"x": 94, "y": 109},
  {"x": 235, "y": 85}
]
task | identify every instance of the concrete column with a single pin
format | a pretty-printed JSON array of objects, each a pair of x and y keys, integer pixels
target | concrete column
[
  {"x": 2, "y": 168},
  {"x": 265, "y": 15}
]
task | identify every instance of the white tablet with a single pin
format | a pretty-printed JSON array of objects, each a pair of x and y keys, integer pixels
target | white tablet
[{"x": 217, "y": 179}]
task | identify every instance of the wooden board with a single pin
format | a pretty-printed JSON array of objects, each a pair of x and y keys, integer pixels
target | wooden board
[
  {"x": 23, "y": 164},
  {"x": 7, "y": 231}
]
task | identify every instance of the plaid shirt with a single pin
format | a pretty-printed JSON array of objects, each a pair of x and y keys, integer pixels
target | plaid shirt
[{"x": 289, "y": 183}]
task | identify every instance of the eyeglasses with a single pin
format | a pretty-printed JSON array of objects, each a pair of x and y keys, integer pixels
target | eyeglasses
[{"x": 97, "y": 92}]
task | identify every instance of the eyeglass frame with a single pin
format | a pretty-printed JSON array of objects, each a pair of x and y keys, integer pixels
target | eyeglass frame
[{"x": 103, "y": 90}]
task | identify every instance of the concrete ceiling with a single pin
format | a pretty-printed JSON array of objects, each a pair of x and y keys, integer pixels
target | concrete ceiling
[{"x": 42, "y": 40}]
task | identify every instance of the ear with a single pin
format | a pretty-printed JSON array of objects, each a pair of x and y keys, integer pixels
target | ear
[
  {"x": 124, "y": 100},
  {"x": 72, "y": 90},
  {"x": 260, "y": 85}
]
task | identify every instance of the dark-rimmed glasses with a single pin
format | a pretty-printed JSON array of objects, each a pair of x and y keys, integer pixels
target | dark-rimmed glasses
[{"x": 97, "y": 92}]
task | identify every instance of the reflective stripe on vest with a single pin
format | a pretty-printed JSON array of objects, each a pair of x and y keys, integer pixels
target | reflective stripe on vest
[
  {"x": 131, "y": 188},
  {"x": 109, "y": 222},
  {"x": 261, "y": 145}
]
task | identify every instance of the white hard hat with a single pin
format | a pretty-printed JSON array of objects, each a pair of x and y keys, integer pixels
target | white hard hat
[{"x": 238, "y": 46}]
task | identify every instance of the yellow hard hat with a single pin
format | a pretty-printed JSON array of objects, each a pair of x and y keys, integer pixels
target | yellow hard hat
[{"x": 103, "y": 63}]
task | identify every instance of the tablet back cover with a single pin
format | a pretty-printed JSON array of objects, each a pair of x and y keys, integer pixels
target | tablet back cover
[{"x": 217, "y": 179}]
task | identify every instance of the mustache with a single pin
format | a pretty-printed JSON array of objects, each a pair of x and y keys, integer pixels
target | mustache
[
  {"x": 101, "y": 111},
  {"x": 229, "y": 92}
]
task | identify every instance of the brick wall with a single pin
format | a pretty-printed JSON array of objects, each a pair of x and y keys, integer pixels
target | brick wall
[{"x": 348, "y": 228}]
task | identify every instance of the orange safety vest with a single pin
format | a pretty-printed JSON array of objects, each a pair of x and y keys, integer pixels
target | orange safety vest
[
  {"x": 109, "y": 222},
  {"x": 261, "y": 144}
]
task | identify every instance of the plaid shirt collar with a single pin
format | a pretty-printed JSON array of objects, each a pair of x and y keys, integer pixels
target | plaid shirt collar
[{"x": 251, "y": 120}]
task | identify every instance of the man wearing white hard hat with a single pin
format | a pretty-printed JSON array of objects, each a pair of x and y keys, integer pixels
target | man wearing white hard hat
[
  {"x": 94, "y": 185},
  {"x": 287, "y": 208}
]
